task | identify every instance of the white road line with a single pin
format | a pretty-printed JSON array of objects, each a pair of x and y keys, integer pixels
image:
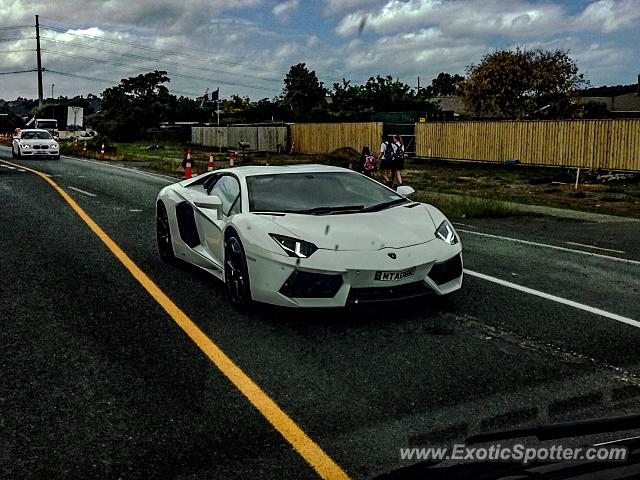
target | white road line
[
  {"x": 585, "y": 245},
  {"x": 554, "y": 247},
  {"x": 135, "y": 210},
  {"x": 160, "y": 177},
  {"x": 463, "y": 224},
  {"x": 82, "y": 191},
  {"x": 553, "y": 298},
  {"x": 21, "y": 170}
]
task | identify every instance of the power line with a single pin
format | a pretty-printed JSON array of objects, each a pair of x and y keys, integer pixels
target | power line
[
  {"x": 18, "y": 71},
  {"x": 180, "y": 75},
  {"x": 140, "y": 57},
  {"x": 182, "y": 54},
  {"x": 16, "y": 27},
  {"x": 13, "y": 39},
  {"x": 106, "y": 81},
  {"x": 167, "y": 52},
  {"x": 17, "y": 50}
]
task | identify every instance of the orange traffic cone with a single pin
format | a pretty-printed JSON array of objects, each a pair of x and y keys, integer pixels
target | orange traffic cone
[
  {"x": 232, "y": 160},
  {"x": 187, "y": 166},
  {"x": 102, "y": 152},
  {"x": 85, "y": 152},
  {"x": 293, "y": 147},
  {"x": 267, "y": 162},
  {"x": 211, "y": 165}
]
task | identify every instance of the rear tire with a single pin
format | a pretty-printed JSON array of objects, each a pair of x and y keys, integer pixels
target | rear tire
[
  {"x": 236, "y": 273},
  {"x": 13, "y": 152},
  {"x": 163, "y": 235}
]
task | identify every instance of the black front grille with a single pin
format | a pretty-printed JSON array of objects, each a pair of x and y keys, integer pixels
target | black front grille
[
  {"x": 446, "y": 271},
  {"x": 388, "y": 293},
  {"x": 311, "y": 285}
]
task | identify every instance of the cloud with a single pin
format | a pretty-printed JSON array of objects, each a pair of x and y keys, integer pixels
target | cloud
[
  {"x": 333, "y": 7},
  {"x": 403, "y": 38},
  {"x": 283, "y": 11},
  {"x": 609, "y": 15},
  {"x": 461, "y": 17},
  {"x": 425, "y": 53}
]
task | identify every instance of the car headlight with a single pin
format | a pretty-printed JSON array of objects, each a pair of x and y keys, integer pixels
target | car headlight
[
  {"x": 293, "y": 246},
  {"x": 445, "y": 232}
]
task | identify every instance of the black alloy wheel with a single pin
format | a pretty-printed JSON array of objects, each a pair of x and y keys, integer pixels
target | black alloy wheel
[
  {"x": 236, "y": 273},
  {"x": 163, "y": 234}
]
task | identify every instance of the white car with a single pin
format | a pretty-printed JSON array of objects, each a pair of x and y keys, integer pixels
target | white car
[
  {"x": 308, "y": 236},
  {"x": 34, "y": 142}
]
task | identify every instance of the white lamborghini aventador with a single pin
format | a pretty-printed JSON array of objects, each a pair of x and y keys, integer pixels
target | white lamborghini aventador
[{"x": 308, "y": 236}]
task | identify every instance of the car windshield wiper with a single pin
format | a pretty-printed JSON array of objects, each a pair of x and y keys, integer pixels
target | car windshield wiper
[
  {"x": 330, "y": 210},
  {"x": 383, "y": 205},
  {"x": 563, "y": 430}
]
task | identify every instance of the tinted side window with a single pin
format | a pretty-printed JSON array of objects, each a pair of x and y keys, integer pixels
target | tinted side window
[{"x": 228, "y": 189}]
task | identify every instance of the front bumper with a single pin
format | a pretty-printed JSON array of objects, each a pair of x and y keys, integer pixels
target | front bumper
[
  {"x": 438, "y": 270},
  {"x": 41, "y": 152}
]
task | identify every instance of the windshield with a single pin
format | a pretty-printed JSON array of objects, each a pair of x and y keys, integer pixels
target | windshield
[
  {"x": 52, "y": 125},
  {"x": 36, "y": 135},
  {"x": 324, "y": 192}
]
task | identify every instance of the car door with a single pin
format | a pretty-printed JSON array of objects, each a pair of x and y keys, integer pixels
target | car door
[{"x": 211, "y": 228}]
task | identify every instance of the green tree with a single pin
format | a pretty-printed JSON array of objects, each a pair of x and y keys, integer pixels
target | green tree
[
  {"x": 444, "y": 84},
  {"x": 136, "y": 104},
  {"x": 523, "y": 84},
  {"x": 378, "y": 94},
  {"x": 303, "y": 94}
]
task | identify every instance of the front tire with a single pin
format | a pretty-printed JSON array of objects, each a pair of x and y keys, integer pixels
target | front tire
[
  {"x": 236, "y": 273},
  {"x": 163, "y": 235}
]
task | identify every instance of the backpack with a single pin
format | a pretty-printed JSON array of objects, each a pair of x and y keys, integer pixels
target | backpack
[
  {"x": 389, "y": 153},
  {"x": 369, "y": 163},
  {"x": 399, "y": 153}
]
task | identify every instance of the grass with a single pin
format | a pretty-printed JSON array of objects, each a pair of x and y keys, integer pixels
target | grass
[{"x": 468, "y": 207}]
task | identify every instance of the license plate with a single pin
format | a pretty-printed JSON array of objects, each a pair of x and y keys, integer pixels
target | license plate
[{"x": 394, "y": 276}]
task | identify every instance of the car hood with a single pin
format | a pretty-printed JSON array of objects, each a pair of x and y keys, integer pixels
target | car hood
[{"x": 394, "y": 227}]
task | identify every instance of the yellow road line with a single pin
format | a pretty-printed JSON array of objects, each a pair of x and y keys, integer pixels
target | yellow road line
[
  {"x": 299, "y": 440},
  {"x": 595, "y": 248}
]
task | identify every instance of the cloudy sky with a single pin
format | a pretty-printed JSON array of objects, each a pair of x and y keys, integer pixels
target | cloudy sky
[{"x": 247, "y": 46}]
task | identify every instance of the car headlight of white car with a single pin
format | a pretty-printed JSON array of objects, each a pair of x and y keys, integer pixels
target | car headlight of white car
[
  {"x": 293, "y": 246},
  {"x": 445, "y": 232}
]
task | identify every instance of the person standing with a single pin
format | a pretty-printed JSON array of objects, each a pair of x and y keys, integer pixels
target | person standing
[
  {"x": 398, "y": 159},
  {"x": 387, "y": 154},
  {"x": 367, "y": 164}
]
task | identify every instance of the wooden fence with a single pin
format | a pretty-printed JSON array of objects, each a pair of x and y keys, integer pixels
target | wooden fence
[
  {"x": 260, "y": 138},
  {"x": 609, "y": 144},
  {"x": 327, "y": 137}
]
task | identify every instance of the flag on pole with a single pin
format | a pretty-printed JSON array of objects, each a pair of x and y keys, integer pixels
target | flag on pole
[
  {"x": 205, "y": 98},
  {"x": 213, "y": 97}
]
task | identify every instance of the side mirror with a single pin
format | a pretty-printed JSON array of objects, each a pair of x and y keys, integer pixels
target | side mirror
[
  {"x": 209, "y": 202},
  {"x": 405, "y": 190}
]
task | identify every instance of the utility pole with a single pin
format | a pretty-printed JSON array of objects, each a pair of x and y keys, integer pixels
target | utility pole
[
  {"x": 418, "y": 83},
  {"x": 39, "y": 62}
]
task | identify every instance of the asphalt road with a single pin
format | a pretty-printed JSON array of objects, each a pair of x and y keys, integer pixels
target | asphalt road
[{"x": 99, "y": 382}]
